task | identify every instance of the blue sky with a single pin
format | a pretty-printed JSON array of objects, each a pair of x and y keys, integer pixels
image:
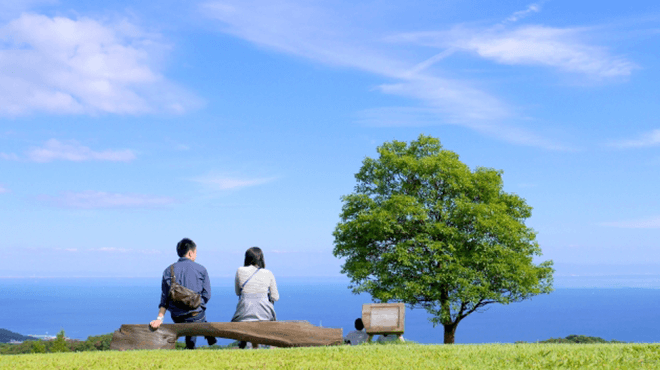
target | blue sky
[{"x": 125, "y": 127}]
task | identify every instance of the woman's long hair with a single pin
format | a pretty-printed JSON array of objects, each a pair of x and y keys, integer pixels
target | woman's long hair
[{"x": 254, "y": 256}]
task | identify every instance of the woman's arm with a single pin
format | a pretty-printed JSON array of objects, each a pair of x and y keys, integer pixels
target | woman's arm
[
  {"x": 237, "y": 284},
  {"x": 274, "y": 294}
]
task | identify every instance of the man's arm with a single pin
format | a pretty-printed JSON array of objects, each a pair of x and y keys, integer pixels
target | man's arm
[
  {"x": 162, "y": 307},
  {"x": 206, "y": 287},
  {"x": 159, "y": 320},
  {"x": 164, "y": 289}
]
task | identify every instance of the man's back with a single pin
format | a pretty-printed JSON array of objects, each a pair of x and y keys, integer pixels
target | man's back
[
  {"x": 191, "y": 275},
  {"x": 357, "y": 337}
]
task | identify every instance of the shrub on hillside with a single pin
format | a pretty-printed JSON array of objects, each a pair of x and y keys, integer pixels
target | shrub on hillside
[
  {"x": 59, "y": 344},
  {"x": 37, "y": 347},
  {"x": 575, "y": 339}
]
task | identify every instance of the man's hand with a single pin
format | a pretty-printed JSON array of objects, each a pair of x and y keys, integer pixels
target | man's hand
[{"x": 156, "y": 323}]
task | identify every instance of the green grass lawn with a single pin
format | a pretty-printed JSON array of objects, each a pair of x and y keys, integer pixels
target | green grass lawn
[{"x": 395, "y": 356}]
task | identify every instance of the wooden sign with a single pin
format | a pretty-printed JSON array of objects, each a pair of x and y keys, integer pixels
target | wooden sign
[{"x": 384, "y": 318}]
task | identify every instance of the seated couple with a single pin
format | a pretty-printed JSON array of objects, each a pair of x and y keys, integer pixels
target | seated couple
[{"x": 254, "y": 285}]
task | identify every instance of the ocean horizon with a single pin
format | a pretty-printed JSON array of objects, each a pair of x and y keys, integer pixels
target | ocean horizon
[{"x": 610, "y": 307}]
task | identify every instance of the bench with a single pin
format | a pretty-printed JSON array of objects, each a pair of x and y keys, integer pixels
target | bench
[{"x": 273, "y": 333}]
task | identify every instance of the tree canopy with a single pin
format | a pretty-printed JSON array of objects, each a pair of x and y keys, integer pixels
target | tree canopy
[{"x": 423, "y": 229}]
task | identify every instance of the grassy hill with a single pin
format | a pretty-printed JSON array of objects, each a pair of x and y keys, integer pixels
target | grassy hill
[{"x": 373, "y": 356}]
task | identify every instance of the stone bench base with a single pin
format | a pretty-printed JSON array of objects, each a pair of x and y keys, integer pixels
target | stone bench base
[{"x": 274, "y": 333}]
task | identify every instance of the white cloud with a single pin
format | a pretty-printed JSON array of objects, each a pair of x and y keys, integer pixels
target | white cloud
[
  {"x": 457, "y": 102},
  {"x": 340, "y": 37},
  {"x": 323, "y": 35},
  {"x": 421, "y": 117},
  {"x": 115, "y": 250},
  {"x": 111, "y": 250},
  {"x": 99, "y": 199},
  {"x": 73, "y": 151},
  {"x": 70, "y": 250},
  {"x": 649, "y": 223},
  {"x": 218, "y": 182},
  {"x": 561, "y": 48},
  {"x": 126, "y": 250},
  {"x": 648, "y": 139},
  {"x": 532, "y": 8},
  {"x": 277, "y": 251},
  {"x": 82, "y": 66}
]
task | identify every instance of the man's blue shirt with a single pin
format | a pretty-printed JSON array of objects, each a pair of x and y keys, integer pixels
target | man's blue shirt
[{"x": 191, "y": 275}]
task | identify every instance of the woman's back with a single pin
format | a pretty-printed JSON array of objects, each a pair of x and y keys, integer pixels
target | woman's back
[{"x": 262, "y": 281}]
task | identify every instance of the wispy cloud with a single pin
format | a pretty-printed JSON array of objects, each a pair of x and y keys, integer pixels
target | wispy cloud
[
  {"x": 277, "y": 251},
  {"x": 645, "y": 140},
  {"x": 99, "y": 199},
  {"x": 560, "y": 48},
  {"x": 125, "y": 250},
  {"x": 318, "y": 32},
  {"x": 111, "y": 250},
  {"x": 3, "y": 189},
  {"x": 83, "y": 66},
  {"x": 422, "y": 117},
  {"x": 70, "y": 250},
  {"x": 220, "y": 182},
  {"x": 9, "y": 156},
  {"x": 516, "y": 16},
  {"x": 649, "y": 223},
  {"x": 321, "y": 34},
  {"x": 71, "y": 150}
]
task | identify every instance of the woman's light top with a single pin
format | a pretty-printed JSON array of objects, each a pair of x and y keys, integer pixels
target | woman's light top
[{"x": 260, "y": 282}]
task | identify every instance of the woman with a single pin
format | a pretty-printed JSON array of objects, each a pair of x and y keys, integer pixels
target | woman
[{"x": 256, "y": 289}]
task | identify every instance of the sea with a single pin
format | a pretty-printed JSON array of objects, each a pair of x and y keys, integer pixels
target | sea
[{"x": 623, "y": 308}]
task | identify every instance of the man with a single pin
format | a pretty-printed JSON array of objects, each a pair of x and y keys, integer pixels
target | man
[
  {"x": 193, "y": 276},
  {"x": 357, "y": 336}
]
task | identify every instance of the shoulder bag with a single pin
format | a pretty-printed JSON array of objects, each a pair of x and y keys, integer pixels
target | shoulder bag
[{"x": 182, "y": 296}]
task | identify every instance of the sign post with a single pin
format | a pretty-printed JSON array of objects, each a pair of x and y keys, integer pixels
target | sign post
[{"x": 384, "y": 318}]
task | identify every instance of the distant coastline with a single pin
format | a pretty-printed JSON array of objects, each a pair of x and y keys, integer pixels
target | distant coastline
[{"x": 7, "y": 336}]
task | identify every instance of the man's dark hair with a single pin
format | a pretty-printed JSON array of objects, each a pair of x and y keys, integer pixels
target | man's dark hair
[
  {"x": 359, "y": 325},
  {"x": 184, "y": 246},
  {"x": 254, "y": 256}
]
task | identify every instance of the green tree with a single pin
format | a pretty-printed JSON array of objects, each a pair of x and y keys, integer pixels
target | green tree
[
  {"x": 38, "y": 347},
  {"x": 423, "y": 229},
  {"x": 59, "y": 343}
]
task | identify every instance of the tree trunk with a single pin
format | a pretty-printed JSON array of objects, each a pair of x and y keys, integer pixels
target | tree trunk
[
  {"x": 450, "y": 327},
  {"x": 450, "y": 332}
]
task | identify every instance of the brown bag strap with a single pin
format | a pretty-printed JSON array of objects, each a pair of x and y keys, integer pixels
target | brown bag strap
[{"x": 172, "y": 273}]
